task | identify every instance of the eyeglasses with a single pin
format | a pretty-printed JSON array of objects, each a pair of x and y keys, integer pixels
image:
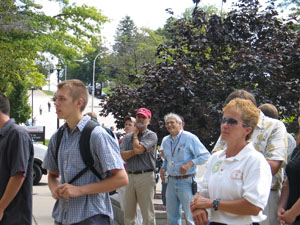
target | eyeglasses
[{"x": 231, "y": 121}]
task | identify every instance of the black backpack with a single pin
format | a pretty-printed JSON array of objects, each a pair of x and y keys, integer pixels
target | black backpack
[{"x": 85, "y": 150}]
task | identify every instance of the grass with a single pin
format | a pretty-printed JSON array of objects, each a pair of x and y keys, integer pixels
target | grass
[
  {"x": 46, "y": 142},
  {"x": 106, "y": 90},
  {"x": 48, "y": 92}
]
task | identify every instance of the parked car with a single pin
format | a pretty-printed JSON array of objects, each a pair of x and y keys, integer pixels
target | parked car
[{"x": 40, "y": 151}]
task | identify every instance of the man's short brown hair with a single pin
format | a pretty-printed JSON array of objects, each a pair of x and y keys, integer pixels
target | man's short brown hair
[
  {"x": 243, "y": 94},
  {"x": 77, "y": 90},
  {"x": 269, "y": 110}
]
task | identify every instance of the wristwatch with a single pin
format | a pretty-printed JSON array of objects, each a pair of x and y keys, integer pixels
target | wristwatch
[{"x": 215, "y": 204}]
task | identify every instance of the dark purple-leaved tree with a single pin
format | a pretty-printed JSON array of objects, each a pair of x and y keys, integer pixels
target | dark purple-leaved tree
[{"x": 206, "y": 58}]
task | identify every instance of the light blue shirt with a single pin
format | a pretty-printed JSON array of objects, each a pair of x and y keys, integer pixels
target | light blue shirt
[
  {"x": 106, "y": 154},
  {"x": 185, "y": 147}
]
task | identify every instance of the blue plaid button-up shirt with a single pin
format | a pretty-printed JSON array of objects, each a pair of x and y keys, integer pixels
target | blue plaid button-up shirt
[{"x": 106, "y": 154}]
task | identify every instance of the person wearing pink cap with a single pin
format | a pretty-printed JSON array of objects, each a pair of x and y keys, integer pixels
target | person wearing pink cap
[{"x": 138, "y": 149}]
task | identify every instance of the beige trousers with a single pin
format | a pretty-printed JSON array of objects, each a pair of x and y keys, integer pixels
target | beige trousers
[{"x": 139, "y": 190}]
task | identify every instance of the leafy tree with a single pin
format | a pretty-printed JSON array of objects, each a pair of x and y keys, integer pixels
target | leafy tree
[
  {"x": 292, "y": 5},
  {"x": 133, "y": 48},
  {"x": 207, "y": 58},
  {"x": 27, "y": 35}
]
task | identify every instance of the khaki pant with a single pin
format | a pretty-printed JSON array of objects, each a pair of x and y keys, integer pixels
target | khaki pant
[
  {"x": 271, "y": 209},
  {"x": 139, "y": 190}
]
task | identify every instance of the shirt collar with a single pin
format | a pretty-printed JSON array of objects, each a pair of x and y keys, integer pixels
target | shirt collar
[
  {"x": 6, "y": 126},
  {"x": 81, "y": 124},
  {"x": 261, "y": 120},
  {"x": 178, "y": 135},
  {"x": 243, "y": 153}
]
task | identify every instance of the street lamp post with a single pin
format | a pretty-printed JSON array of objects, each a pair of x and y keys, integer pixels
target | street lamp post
[
  {"x": 58, "y": 68},
  {"x": 32, "y": 88},
  {"x": 93, "y": 91}
]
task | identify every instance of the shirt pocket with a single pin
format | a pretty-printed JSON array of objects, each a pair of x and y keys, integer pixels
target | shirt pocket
[{"x": 181, "y": 153}]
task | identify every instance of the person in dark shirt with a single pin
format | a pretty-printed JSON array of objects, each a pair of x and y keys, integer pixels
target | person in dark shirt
[
  {"x": 16, "y": 161},
  {"x": 289, "y": 205}
]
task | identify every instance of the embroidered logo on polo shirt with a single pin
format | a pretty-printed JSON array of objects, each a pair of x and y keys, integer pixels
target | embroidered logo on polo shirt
[
  {"x": 236, "y": 175},
  {"x": 217, "y": 166}
]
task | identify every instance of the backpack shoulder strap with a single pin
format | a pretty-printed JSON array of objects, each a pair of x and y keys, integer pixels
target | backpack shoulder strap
[
  {"x": 85, "y": 151},
  {"x": 84, "y": 143},
  {"x": 59, "y": 135}
]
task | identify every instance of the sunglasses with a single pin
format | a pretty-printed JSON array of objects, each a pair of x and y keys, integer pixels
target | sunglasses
[{"x": 230, "y": 121}]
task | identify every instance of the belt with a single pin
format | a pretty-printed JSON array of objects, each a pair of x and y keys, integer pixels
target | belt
[
  {"x": 141, "y": 171},
  {"x": 183, "y": 176}
]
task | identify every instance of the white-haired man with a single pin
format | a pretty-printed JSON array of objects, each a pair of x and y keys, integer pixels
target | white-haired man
[{"x": 183, "y": 151}]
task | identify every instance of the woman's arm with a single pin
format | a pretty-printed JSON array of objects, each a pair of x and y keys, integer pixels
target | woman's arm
[
  {"x": 283, "y": 198},
  {"x": 287, "y": 216},
  {"x": 239, "y": 207}
]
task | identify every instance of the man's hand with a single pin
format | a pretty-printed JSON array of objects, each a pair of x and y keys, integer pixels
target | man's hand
[
  {"x": 68, "y": 191},
  {"x": 136, "y": 131},
  {"x": 162, "y": 175},
  {"x": 150, "y": 149},
  {"x": 184, "y": 168},
  {"x": 200, "y": 217},
  {"x": 55, "y": 193}
]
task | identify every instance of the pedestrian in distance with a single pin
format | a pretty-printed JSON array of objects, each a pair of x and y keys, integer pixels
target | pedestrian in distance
[
  {"x": 16, "y": 162},
  {"x": 41, "y": 110},
  {"x": 85, "y": 200},
  {"x": 49, "y": 106}
]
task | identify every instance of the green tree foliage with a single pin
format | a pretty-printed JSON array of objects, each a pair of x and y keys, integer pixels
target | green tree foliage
[
  {"x": 27, "y": 33},
  {"x": 207, "y": 58},
  {"x": 292, "y": 5},
  {"x": 83, "y": 69},
  {"x": 132, "y": 49}
]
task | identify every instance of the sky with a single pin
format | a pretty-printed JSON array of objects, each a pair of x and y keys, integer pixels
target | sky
[{"x": 150, "y": 14}]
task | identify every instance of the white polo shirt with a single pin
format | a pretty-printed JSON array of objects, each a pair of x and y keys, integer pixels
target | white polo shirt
[
  {"x": 270, "y": 138},
  {"x": 246, "y": 175}
]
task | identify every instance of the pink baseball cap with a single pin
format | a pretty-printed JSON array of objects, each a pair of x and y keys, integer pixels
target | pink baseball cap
[{"x": 145, "y": 112}]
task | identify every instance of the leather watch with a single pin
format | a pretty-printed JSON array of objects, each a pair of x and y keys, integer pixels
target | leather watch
[{"x": 215, "y": 204}]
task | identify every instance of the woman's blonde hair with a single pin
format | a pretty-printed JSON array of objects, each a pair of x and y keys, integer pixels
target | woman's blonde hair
[{"x": 250, "y": 113}]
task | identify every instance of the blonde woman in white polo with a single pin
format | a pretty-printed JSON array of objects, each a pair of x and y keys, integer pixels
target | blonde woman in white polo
[{"x": 237, "y": 181}]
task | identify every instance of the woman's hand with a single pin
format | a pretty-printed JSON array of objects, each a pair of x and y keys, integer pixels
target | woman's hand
[
  {"x": 199, "y": 202},
  {"x": 200, "y": 217},
  {"x": 288, "y": 217}
]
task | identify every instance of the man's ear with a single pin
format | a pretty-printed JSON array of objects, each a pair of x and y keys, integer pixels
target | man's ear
[{"x": 80, "y": 102}]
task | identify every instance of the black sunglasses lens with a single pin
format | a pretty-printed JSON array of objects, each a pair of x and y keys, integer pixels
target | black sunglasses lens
[
  {"x": 232, "y": 121},
  {"x": 229, "y": 121}
]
